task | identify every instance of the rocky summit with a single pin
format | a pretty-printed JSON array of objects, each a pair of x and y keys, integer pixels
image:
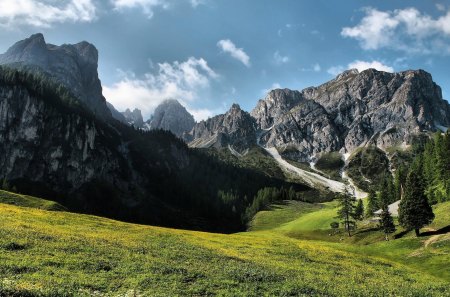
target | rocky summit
[
  {"x": 236, "y": 128},
  {"x": 134, "y": 118},
  {"x": 172, "y": 116},
  {"x": 74, "y": 66},
  {"x": 355, "y": 109}
]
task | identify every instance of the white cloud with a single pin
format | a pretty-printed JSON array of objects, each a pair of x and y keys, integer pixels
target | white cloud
[
  {"x": 202, "y": 113},
  {"x": 273, "y": 87},
  {"x": 229, "y": 47},
  {"x": 147, "y": 6},
  {"x": 360, "y": 66},
  {"x": 363, "y": 65},
  {"x": 335, "y": 70},
  {"x": 406, "y": 29},
  {"x": 279, "y": 59},
  {"x": 179, "y": 80},
  {"x": 44, "y": 13}
]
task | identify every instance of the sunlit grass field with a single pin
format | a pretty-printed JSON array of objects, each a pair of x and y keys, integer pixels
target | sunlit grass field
[{"x": 47, "y": 253}]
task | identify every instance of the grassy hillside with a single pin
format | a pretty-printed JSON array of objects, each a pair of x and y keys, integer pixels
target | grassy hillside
[
  {"x": 63, "y": 254},
  {"x": 428, "y": 254},
  {"x": 29, "y": 201}
]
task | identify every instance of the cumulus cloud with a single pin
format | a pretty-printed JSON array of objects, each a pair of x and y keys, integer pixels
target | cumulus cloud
[
  {"x": 360, "y": 66},
  {"x": 273, "y": 87},
  {"x": 279, "y": 59},
  {"x": 402, "y": 29},
  {"x": 363, "y": 65},
  {"x": 227, "y": 46},
  {"x": 177, "y": 80},
  {"x": 44, "y": 13},
  {"x": 147, "y": 6}
]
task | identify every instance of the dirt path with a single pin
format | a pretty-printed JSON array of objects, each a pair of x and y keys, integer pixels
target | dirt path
[{"x": 431, "y": 240}]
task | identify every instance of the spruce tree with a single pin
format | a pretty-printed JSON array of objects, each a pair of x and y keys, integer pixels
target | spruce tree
[
  {"x": 359, "y": 210},
  {"x": 386, "y": 223},
  {"x": 346, "y": 211},
  {"x": 372, "y": 203},
  {"x": 414, "y": 210}
]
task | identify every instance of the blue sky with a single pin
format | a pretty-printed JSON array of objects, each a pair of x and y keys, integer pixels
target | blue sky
[{"x": 209, "y": 54}]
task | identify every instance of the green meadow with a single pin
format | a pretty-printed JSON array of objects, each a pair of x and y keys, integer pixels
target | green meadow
[{"x": 289, "y": 251}]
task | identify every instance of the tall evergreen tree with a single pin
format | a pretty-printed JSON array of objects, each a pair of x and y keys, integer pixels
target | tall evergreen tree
[
  {"x": 359, "y": 210},
  {"x": 372, "y": 203},
  {"x": 414, "y": 211},
  {"x": 346, "y": 210},
  {"x": 386, "y": 223}
]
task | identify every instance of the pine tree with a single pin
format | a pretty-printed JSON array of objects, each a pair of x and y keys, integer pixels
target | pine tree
[
  {"x": 414, "y": 211},
  {"x": 359, "y": 210},
  {"x": 386, "y": 223},
  {"x": 372, "y": 203},
  {"x": 346, "y": 211}
]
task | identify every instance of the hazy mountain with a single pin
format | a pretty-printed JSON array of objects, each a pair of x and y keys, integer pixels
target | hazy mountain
[
  {"x": 172, "y": 116},
  {"x": 133, "y": 118}
]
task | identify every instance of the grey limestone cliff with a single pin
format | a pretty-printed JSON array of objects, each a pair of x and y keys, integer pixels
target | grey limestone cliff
[{"x": 74, "y": 66}]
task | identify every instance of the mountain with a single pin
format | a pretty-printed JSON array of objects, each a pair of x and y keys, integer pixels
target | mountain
[
  {"x": 236, "y": 129},
  {"x": 355, "y": 109},
  {"x": 133, "y": 118},
  {"x": 172, "y": 116},
  {"x": 74, "y": 66}
]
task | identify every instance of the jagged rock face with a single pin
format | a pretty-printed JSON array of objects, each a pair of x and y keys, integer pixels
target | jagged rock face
[
  {"x": 380, "y": 108},
  {"x": 236, "y": 128},
  {"x": 134, "y": 118},
  {"x": 82, "y": 162},
  {"x": 306, "y": 128},
  {"x": 172, "y": 116},
  {"x": 274, "y": 106},
  {"x": 75, "y": 66},
  {"x": 353, "y": 110},
  {"x": 66, "y": 158}
]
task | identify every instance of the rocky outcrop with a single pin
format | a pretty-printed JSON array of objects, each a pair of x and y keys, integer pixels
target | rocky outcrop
[
  {"x": 235, "y": 128},
  {"x": 134, "y": 118},
  {"x": 74, "y": 66},
  {"x": 274, "y": 106},
  {"x": 353, "y": 110},
  {"x": 172, "y": 116}
]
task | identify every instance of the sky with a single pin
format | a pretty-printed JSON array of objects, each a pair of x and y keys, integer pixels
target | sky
[{"x": 209, "y": 54}]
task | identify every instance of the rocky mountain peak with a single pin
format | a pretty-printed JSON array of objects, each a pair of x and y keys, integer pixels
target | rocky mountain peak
[
  {"x": 171, "y": 115},
  {"x": 134, "y": 117},
  {"x": 74, "y": 66},
  {"x": 235, "y": 128},
  {"x": 277, "y": 102}
]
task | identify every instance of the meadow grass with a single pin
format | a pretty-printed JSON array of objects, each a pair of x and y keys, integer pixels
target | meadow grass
[
  {"x": 29, "y": 201},
  {"x": 45, "y": 253}
]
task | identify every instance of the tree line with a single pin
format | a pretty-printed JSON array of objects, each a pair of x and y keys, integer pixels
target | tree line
[{"x": 426, "y": 181}]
